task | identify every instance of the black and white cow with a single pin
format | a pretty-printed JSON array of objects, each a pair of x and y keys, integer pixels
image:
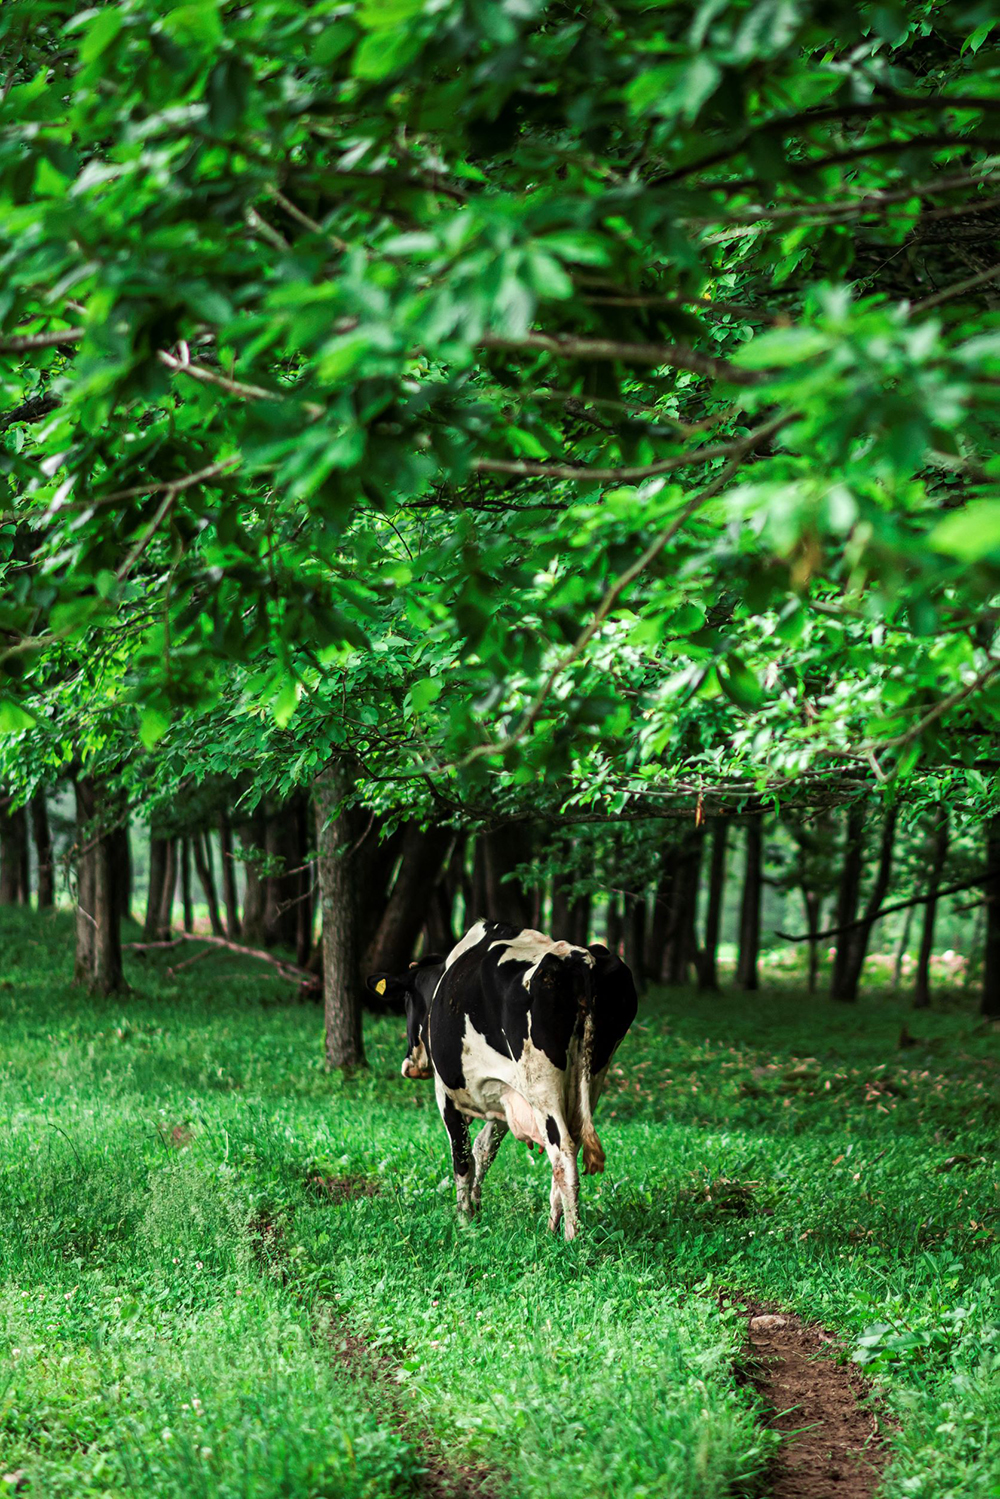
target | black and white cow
[{"x": 517, "y": 1030}]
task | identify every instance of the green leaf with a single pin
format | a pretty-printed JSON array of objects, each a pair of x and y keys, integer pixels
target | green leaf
[
  {"x": 782, "y": 347},
  {"x": 425, "y": 692},
  {"x": 380, "y": 56},
  {"x": 14, "y": 716},
  {"x": 285, "y": 702},
  {"x": 101, "y": 33},
  {"x": 971, "y": 533},
  {"x": 153, "y": 724},
  {"x": 739, "y": 683}
]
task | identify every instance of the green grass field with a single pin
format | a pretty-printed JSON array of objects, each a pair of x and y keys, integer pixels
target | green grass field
[{"x": 171, "y": 1271}]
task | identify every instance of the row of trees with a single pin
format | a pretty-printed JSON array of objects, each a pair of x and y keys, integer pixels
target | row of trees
[
  {"x": 653, "y": 891},
  {"x": 475, "y": 418}
]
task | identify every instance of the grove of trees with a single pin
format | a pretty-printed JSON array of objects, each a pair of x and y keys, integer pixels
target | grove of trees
[{"x": 514, "y": 458}]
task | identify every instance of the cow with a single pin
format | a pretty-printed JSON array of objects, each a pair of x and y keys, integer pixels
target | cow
[{"x": 517, "y": 1030}]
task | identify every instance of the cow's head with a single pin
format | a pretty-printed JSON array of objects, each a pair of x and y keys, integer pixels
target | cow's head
[{"x": 413, "y": 992}]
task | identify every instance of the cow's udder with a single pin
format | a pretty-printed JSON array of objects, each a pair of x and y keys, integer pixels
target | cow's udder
[{"x": 521, "y": 1117}]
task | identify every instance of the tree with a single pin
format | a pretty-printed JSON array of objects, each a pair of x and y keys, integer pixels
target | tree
[
  {"x": 339, "y": 839},
  {"x": 747, "y": 974},
  {"x": 43, "y": 851},
  {"x": 13, "y": 854},
  {"x": 98, "y": 965},
  {"x": 708, "y": 973},
  {"x": 939, "y": 855},
  {"x": 569, "y": 418},
  {"x": 852, "y": 945}
]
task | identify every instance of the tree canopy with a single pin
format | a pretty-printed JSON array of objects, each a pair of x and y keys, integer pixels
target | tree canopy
[{"x": 580, "y": 411}]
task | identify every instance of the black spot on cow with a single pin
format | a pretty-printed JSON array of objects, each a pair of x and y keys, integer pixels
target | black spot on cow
[{"x": 552, "y": 1130}]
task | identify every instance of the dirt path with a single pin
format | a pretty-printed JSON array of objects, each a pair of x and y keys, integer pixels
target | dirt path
[
  {"x": 442, "y": 1478},
  {"x": 833, "y": 1448},
  {"x": 837, "y": 1448}
]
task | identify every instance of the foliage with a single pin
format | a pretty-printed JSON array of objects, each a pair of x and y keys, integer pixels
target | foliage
[{"x": 501, "y": 395}]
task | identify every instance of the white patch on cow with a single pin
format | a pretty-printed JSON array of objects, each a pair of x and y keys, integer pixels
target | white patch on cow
[
  {"x": 473, "y": 935},
  {"x": 531, "y": 947}
]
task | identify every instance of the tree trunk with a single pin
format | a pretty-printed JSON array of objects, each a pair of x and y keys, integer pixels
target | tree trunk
[
  {"x": 613, "y": 929},
  {"x": 396, "y": 939},
  {"x": 166, "y": 916},
  {"x": 747, "y": 976},
  {"x": 439, "y": 925},
  {"x": 708, "y": 966},
  {"x": 284, "y": 846},
  {"x": 856, "y": 942},
  {"x": 252, "y": 835},
  {"x": 990, "y": 1006},
  {"x": 229, "y": 877},
  {"x": 304, "y": 899},
  {"x": 813, "y": 903},
  {"x": 901, "y": 949},
  {"x": 675, "y": 949},
  {"x": 580, "y": 921},
  {"x": 187, "y": 907},
  {"x": 480, "y": 895},
  {"x": 922, "y": 986},
  {"x": 847, "y": 895},
  {"x": 121, "y": 852},
  {"x": 202, "y": 850},
  {"x": 98, "y": 963},
  {"x": 560, "y": 920},
  {"x": 13, "y": 854},
  {"x": 43, "y": 851},
  {"x": 158, "y": 848},
  {"x": 658, "y": 928},
  {"x": 506, "y": 898},
  {"x": 381, "y": 861},
  {"x": 86, "y": 879},
  {"x": 635, "y": 939},
  {"x": 340, "y": 878}
]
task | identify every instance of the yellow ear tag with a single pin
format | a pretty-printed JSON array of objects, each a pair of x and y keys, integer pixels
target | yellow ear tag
[{"x": 380, "y": 987}]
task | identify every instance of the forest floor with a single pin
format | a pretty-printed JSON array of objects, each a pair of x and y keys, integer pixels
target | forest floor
[{"x": 226, "y": 1272}]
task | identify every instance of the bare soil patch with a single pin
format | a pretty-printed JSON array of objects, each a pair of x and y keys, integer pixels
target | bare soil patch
[
  {"x": 834, "y": 1443},
  {"x": 442, "y": 1478}
]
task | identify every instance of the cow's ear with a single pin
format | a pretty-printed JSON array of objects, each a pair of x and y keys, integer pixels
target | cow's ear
[{"x": 381, "y": 984}]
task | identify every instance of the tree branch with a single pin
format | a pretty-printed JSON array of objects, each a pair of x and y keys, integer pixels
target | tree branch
[
  {"x": 876, "y": 109},
  {"x": 234, "y": 387},
  {"x": 24, "y": 343},
  {"x": 568, "y": 346},
  {"x": 616, "y": 590},
  {"x": 900, "y": 905},
  {"x": 287, "y": 970},
  {"x": 958, "y": 289},
  {"x": 31, "y": 410},
  {"x": 523, "y": 468}
]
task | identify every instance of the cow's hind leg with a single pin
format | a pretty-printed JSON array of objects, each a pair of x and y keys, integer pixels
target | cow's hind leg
[
  {"x": 555, "y": 1206},
  {"x": 564, "y": 1197},
  {"x": 488, "y": 1142},
  {"x": 461, "y": 1154}
]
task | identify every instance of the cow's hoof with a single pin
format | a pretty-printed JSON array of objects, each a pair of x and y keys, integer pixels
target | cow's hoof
[{"x": 593, "y": 1159}]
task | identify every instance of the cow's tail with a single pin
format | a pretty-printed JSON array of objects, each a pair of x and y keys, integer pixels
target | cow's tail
[{"x": 593, "y": 1154}]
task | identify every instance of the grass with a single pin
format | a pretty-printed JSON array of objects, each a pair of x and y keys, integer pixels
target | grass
[{"x": 172, "y": 1266}]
